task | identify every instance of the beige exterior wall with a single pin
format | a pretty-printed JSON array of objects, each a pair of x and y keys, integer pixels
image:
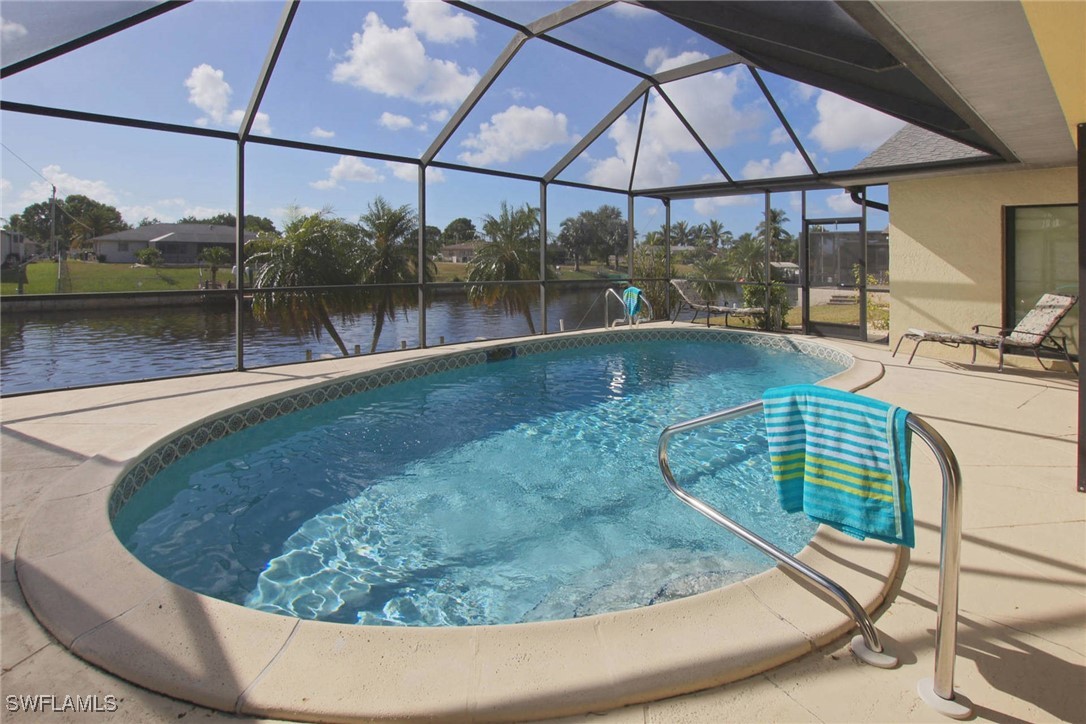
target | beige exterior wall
[
  {"x": 1060, "y": 31},
  {"x": 946, "y": 250}
]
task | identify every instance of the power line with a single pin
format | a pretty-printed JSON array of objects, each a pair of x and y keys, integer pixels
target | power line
[
  {"x": 60, "y": 204},
  {"x": 27, "y": 164}
]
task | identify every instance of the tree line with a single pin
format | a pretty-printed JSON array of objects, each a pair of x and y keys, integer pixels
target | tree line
[
  {"x": 335, "y": 256},
  {"x": 78, "y": 219}
]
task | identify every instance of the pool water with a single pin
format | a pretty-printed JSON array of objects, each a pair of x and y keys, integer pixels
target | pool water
[{"x": 520, "y": 490}]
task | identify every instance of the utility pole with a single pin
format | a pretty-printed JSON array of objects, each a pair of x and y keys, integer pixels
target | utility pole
[{"x": 53, "y": 232}]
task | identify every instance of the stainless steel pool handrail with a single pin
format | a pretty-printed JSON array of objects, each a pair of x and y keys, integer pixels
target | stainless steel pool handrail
[
  {"x": 937, "y": 692},
  {"x": 625, "y": 312}
]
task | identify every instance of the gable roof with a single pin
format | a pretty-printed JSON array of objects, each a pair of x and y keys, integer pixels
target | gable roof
[
  {"x": 914, "y": 145},
  {"x": 197, "y": 233}
]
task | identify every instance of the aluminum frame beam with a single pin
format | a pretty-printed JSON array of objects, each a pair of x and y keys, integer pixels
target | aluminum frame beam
[
  {"x": 91, "y": 37},
  {"x": 597, "y": 130}
]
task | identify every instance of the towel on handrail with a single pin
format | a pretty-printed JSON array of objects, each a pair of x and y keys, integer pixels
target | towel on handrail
[
  {"x": 632, "y": 299},
  {"x": 843, "y": 459}
]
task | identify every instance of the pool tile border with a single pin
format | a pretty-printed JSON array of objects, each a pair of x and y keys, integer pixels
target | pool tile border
[{"x": 162, "y": 456}]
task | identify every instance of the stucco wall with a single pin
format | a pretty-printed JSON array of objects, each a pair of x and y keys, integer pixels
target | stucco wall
[
  {"x": 946, "y": 249},
  {"x": 1060, "y": 31}
]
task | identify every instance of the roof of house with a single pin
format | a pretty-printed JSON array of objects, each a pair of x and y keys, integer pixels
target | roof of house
[
  {"x": 198, "y": 233},
  {"x": 913, "y": 145}
]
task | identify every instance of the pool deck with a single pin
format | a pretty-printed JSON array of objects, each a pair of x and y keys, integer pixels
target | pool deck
[{"x": 1022, "y": 628}]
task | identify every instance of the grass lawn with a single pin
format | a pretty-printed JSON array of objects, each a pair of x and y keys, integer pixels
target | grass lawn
[
  {"x": 826, "y": 313},
  {"x": 95, "y": 277}
]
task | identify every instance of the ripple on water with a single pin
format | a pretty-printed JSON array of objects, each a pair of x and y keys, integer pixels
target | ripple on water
[{"x": 521, "y": 491}]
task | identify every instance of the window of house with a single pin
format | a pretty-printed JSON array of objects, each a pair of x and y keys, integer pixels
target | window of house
[
  {"x": 1042, "y": 257},
  {"x": 122, "y": 246}
]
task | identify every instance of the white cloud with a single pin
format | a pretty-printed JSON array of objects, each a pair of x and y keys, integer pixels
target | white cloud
[
  {"x": 658, "y": 60},
  {"x": 790, "y": 163},
  {"x": 804, "y": 92},
  {"x": 10, "y": 30},
  {"x": 842, "y": 203},
  {"x": 319, "y": 132},
  {"x": 135, "y": 214},
  {"x": 709, "y": 102},
  {"x": 844, "y": 124},
  {"x": 436, "y": 21},
  {"x": 394, "y": 63},
  {"x": 5, "y": 186},
  {"x": 626, "y": 10},
  {"x": 654, "y": 164},
  {"x": 778, "y": 136},
  {"x": 395, "y": 122},
  {"x": 439, "y": 116},
  {"x": 514, "y": 132},
  {"x": 165, "y": 210},
  {"x": 348, "y": 168},
  {"x": 409, "y": 173},
  {"x": 709, "y": 206},
  {"x": 261, "y": 123},
  {"x": 285, "y": 213},
  {"x": 68, "y": 184},
  {"x": 203, "y": 212},
  {"x": 209, "y": 91}
]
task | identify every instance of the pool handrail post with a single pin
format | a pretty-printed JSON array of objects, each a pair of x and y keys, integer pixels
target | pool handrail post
[
  {"x": 625, "y": 312},
  {"x": 937, "y": 692}
]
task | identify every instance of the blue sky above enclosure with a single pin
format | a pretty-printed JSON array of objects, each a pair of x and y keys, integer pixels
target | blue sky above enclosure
[{"x": 385, "y": 77}]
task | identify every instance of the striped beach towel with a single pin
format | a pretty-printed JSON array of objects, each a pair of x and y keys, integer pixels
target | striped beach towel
[
  {"x": 843, "y": 459},
  {"x": 632, "y": 299}
]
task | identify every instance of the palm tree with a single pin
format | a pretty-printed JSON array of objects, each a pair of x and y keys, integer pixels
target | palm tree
[
  {"x": 389, "y": 258},
  {"x": 680, "y": 233},
  {"x": 511, "y": 255},
  {"x": 782, "y": 244},
  {"x": 747, "y": 258},
  {"x": 215, "y": 257},
  {"x": 315, "y": 250},
  {"x": 654, "y": 238},
  {"x": 709, "y": 277},
  {"x": 718, "y": 236}
]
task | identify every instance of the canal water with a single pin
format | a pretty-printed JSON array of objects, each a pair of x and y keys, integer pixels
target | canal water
[{"x": 54, "y": 350}]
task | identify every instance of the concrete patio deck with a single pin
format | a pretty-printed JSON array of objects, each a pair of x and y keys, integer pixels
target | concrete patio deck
[{"x": 1022, "y": 629}]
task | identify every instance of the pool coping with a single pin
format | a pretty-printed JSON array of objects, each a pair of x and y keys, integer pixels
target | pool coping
[{"x": 110, "y": 609}]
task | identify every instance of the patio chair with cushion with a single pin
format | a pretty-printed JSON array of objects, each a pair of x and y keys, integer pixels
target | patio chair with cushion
[
  {"x": 690, "y": 299},
  {"x": 1033, "y": 333}
]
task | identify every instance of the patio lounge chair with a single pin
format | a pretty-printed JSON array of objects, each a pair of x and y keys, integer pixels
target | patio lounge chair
[
  {"x": 1033, "y": 333},
  {"x": 690, "y": 299}
]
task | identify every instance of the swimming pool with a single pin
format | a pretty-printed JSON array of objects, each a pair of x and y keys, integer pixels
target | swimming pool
[
  {"x": 107, "y": 607},
  {"x": 521, "y": 490}
]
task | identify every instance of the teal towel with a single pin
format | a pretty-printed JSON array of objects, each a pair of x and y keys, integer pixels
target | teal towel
[
  {"x": 632, "y": 299},
  {"x": 843, "y": 459}
]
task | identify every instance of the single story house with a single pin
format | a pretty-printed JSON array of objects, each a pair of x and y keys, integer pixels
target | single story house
[
  {"x": 179, "y": 243},
  {"x": 459, "y": 253}
]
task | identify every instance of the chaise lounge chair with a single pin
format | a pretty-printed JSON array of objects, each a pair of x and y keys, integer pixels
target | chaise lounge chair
[
  {"x": 1033, "y": 333},
  {"x": 690, "y": 299}
]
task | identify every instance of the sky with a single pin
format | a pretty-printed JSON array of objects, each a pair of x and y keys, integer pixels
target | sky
[{"x": 386, "y": 76}]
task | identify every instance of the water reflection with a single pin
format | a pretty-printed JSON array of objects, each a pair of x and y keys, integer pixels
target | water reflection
[{"x": 64, "y": 349}]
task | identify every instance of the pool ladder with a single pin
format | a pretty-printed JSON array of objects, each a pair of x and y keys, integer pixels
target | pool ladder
[
  {"x": 938, "y": 691},
  {"x": 625, "y": 313}
]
